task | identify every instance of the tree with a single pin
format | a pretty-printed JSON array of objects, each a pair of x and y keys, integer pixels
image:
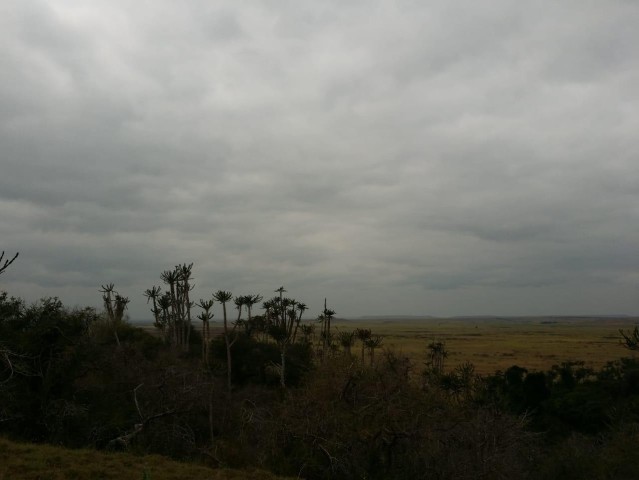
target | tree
[
  {"x": 437, "y": 353},
  {"x": 172, "y": 311},
  {"x": 153, "y": 294},
  {"x": 284, "y": 317},
  {"x": 630, "y": 340},
  {"x": 347, "y": 340},
  {"x": 301, "y": 308},
  {"x": 375, "y": 341},
  {"x": 7, "y": 262},
  {"x": 223, "y": 297},
  {"x": 114, "y": 305},
  {"x": 325, "y": 319},
  {"x": 206, "y": 316},
  {"x": 184, "y": 287},
  {"x": 363, "y": 334}
]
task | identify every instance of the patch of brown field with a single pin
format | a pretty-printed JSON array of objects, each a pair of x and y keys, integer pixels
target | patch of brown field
[{"x": 498, "y": 343}]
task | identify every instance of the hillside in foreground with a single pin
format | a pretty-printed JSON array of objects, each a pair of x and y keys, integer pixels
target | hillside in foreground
[{"x": 27, "y": 461}]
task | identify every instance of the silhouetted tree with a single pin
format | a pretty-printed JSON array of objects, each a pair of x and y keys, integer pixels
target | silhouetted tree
[
  {"x": 630, "y": 340},
  {"x": 437, "y": 353},
  {"x": 230, "y": 334},
  {"x": 172, "y": 311},
  {"x": 7, "y": 261},
  {"x": 346, "y": 340},
  {"x": 114, "y": 305},
  {"x": 363, "y": 334},
  {"x": 375, "y": 341},
  {"x": 206, "y": 316},
  {"x": 284, "y": 317}
]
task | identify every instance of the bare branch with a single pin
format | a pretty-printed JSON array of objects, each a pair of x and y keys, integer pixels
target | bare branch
[{"x": 7, "y": 262}]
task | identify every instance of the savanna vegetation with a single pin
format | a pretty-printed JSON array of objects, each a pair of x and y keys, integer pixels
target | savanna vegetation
[{"x": 291, "y": 396}]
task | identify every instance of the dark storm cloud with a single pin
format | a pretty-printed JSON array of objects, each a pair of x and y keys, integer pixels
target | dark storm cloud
[{"x": 451, "y": 157}]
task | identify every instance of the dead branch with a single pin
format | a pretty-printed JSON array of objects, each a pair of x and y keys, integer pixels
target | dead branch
[{"x": 7, "y": 262}]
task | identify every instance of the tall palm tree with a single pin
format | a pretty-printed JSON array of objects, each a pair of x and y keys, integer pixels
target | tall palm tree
[
  {"x": 171, "y": 277},
  {"x": 223, "y": 297},
  {"x": 184, "y": 278},
  {"x": 328, "y": 315},
  {"x": 152, "y": 294},
  {"x": 250, "y": 301},
  {"x": 205, "y": 316},
  {"x": 239, "y": 301},
  {"x": 301, "y": 308}
]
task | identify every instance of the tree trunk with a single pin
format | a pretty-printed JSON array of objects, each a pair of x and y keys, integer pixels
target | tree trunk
[{"x": 283, "y": 369}]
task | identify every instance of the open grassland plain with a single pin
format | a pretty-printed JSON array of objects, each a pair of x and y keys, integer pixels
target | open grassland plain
[
  {"x": 26, "y": 461},
  {"x": 496, "y": 343}
]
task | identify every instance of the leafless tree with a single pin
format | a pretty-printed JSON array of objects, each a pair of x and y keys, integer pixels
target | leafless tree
[{"x": 7, "y": 261}]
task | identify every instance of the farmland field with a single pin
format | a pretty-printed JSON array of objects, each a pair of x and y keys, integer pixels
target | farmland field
[{"x": 498, "y": 343}]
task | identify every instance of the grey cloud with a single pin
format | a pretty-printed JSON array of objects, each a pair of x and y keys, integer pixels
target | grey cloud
[{"x": 460, "y": 158}]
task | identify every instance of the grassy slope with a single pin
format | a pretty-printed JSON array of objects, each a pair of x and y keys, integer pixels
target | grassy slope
[{"x": 45, "y": 462}]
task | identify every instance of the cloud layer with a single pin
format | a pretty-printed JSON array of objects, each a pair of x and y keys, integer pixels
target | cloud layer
[{"x": 409, "y": 157}]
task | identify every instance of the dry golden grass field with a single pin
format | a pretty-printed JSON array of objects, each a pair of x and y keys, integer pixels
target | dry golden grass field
[{"x": 491, "y": 344}]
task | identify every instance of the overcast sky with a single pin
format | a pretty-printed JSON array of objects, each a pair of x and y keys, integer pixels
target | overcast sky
[{"x": 409, "y": 157}]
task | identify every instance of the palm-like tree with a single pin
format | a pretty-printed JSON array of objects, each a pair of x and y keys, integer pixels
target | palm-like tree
[
  {"x": 250, "y": 301},
  {"x": 164, "y": 302},
  {"x": 115, "y": 305},
  {"x": 239, "y": 301},
  {"x": 328, "y": 317},
  {"x": 171, "y": 277},
  {"x": 363, "y": 334},
  {"x": 346, "y": 340},
  {"x": 372, "y": 343},
  {"x": 206, "y": 316},
  {"x": 152, "y": 294},
  {"x": 437, "y": 353},
  {"x": 249, "y": 324},
  {"x": 270, "y": 306},
  {"x": 184, "y": 287},
  {"x": 223, "y": 297},
  {"x": 301, "y": 308}
]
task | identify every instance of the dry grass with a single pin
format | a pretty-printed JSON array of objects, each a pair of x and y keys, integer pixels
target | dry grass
[
  {"x": 497, "y": 343},
  {"x": 46, "y": 462}
]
